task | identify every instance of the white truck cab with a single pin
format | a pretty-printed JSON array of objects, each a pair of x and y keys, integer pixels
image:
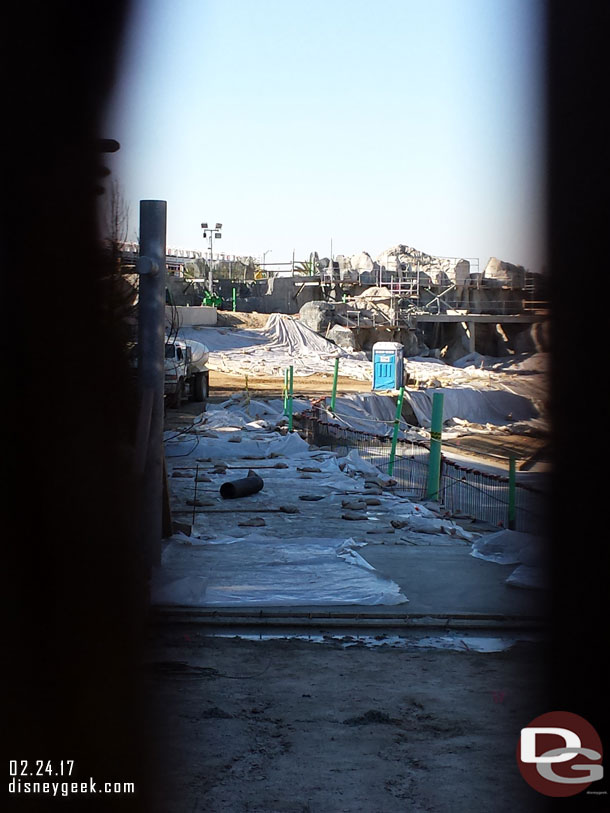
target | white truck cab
[{"x": 185, "y": 371}]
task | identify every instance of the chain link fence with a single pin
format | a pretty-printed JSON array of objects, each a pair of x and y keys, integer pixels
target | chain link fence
[{"x": 463, "y": 491}]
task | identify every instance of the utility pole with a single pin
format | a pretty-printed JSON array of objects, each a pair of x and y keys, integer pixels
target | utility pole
[
  {"x": 150, "y": 453},
  {"x": 215, "y": 232}
]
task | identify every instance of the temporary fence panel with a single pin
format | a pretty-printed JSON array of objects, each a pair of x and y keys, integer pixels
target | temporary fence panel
[{"x": 463, "y": 490}]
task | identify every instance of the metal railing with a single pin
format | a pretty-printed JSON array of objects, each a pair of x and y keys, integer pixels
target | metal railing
[{"x": 464, "y": 491}]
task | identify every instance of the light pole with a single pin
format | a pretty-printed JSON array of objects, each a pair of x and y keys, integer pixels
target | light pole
[
  {"x": 269, "y": 250},
  {"x": 211, "y": 233}
]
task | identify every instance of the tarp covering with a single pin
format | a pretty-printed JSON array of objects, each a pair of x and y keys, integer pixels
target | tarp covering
[
  {"x": 477, "y": 406},
  {"x": 233, "y": 445},
  {"x": 370, "y": 413},
  {"x": 311, "y": 502},
  {"x": 258, "y": 571},
  {"x": 283, "y": 342},
  {"x": 488, "y": 411},
  {"x": 515, "y": 547},
  {"x": 250, "y": 414}
]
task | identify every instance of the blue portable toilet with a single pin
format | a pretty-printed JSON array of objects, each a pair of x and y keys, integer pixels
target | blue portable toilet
[{"x": 388, "y": 366}]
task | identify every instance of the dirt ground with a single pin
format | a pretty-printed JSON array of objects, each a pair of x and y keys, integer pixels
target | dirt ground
[
  {"x": 287, "y": 725},
  {"x": 311, "y": 386},
  {"x": 241, "y": 319}
]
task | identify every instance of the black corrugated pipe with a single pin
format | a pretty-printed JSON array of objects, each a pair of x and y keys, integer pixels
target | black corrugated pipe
[{"x": 242, "y": 488}]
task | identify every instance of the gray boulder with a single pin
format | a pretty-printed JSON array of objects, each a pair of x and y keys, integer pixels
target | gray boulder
[
  {"x": 362, "y": 262},
  {"x": 317, "y": 315},
  {"x": 504, "y": 273},
  {"x": 343, "y": 337}
]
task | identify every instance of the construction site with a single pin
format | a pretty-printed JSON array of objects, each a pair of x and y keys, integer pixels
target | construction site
[
  {"x": 353, "y": 570},
  {"x": 323, "y": 534}
]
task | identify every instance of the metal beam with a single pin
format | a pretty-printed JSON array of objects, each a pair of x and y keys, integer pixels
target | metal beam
[{"x": 481, "y": 318}]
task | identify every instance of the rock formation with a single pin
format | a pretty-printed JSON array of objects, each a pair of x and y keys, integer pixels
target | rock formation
[
  {"x": 317, "y": 316},
  {"x": 432, "y": 270},
  {"x": 503, "y": 273}
]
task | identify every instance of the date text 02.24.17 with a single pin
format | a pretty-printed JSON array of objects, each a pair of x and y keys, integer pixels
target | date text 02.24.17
[{"x": 41, "y": 767}]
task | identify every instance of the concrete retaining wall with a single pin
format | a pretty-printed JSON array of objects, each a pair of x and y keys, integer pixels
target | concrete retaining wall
[
  {"x": 274, "y": 295},
  {"x": 199, "y": 315}
]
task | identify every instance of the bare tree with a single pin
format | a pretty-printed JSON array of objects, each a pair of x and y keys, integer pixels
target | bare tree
[
  {"x": 120, "y": 286},
  {"x": 116, "y": 221}
]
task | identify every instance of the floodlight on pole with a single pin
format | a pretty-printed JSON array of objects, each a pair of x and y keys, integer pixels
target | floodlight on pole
[{"x": 209, "y": 233}]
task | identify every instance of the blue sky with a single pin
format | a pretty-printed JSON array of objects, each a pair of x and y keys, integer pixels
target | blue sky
[{"x": 362, "y": 123}]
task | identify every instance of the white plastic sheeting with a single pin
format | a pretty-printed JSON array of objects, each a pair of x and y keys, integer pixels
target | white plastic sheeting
[
  {"x": 534, "y": 578},
  {"x": 508, "y": 547},
  {"x": 223, "y": 564},
  {"x": 477, "y": 406},
  {"x": 353, "y": 462},
  {"x": 525, "y": 375},
  {"x": 223, "y": 448},
  {"x": 366, "y": 412},
  {"x": 433, "y": 525},
  {"x": 283, "y": 342},
  {"x": 240, "y": 411},
  {"x": 259, "y": 571},
  {"x": 515, "y": 547},
  {"x": 464, "y": 410}
]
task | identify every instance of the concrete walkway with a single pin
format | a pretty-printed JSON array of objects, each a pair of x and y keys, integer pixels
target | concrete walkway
[
  {"x": 448, "y": 580},
  {"x": 438, "y": 581},
  {"x": 436, "y": 572}
]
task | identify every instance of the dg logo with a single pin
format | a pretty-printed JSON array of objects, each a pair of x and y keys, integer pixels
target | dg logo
[{"x": 559, "y": 754}]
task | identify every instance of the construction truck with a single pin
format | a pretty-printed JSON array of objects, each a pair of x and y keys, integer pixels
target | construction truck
[{"x": 186, "y": 374}]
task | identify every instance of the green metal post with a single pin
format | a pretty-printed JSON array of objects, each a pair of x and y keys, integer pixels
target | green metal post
[
  {"x": 512, "y": 478},
  {"x": 290, "y": 385},
  {"x": 234, "y": 296},
  {"x": 436, "y": 430},
  {"x": 286, "y": 391},
  {"x": 333, "y": 397},
  {"x": 395, "y": 432}
]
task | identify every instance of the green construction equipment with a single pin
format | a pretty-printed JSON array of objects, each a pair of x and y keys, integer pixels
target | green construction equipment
[{"x": 211, "y": 299}]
